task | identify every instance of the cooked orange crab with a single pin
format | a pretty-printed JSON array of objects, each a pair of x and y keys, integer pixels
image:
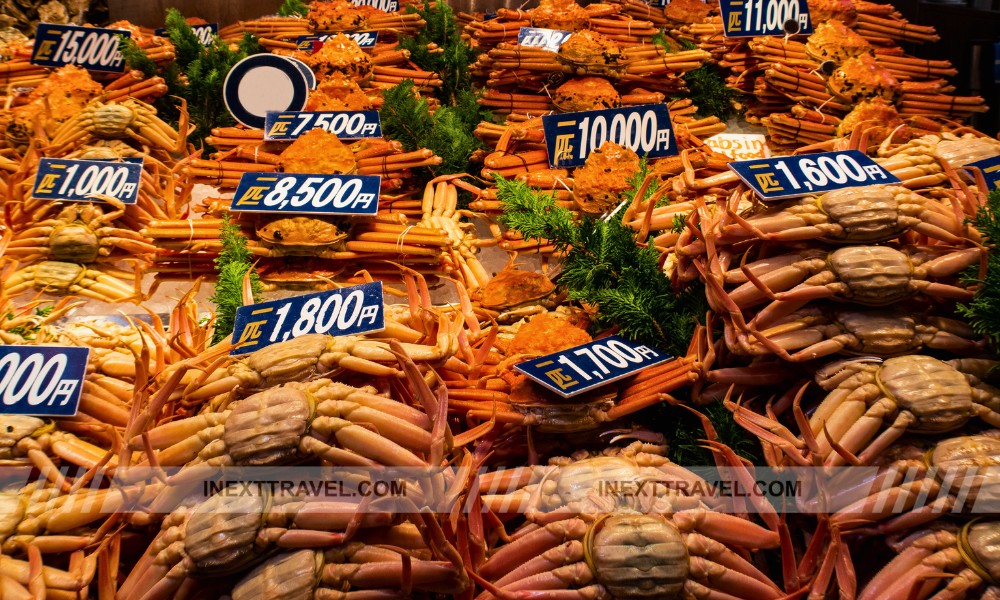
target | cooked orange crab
[
  {"x": 566, "y": 15},
  {"x": 64, "y": 94},
  {"x": 599, "y": 183},
  {"x": 686, "y": 12},
  {"x": 842, "y": 10},
  {"x": 301, "y": 235},
  {"x": 318, "y": 151},
  {"x": 860, "y": 78},
  {"x": 586, "y": 93},
  {"x": 338, "y": 92},
  {"x": 591, "y": 52},
  {"x": 340, "y": 54},
  {"x": 832, "y": 40},
  {"x": 338, "y": 15},
  {"x": 875, "y": 111}
]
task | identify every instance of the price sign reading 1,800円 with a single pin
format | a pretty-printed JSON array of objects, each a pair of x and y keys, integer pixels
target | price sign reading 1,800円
[
  {"x": 576, "y": 370},
  {"x": 571, "y": 137},
  {"x": 347, "y": 311},
  {"x": 86, "y": 180},
  {"x": 752, "y": 18},
  {"x": 308, "y": 194},
  {"x": 791, "y": 176},
  {"x": 44, "y": 381},
  {"x": 91, "y": 48}
]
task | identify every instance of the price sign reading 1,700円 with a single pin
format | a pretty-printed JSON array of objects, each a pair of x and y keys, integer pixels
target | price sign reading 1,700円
[
  {"x": 752, "y": 18},
  {"x": 307, "y": 194},
  {"x": 585, "y": 367},
  {"x": 92, "y": 48},
  {"x": 792, "y": 176},
  {"x": 44, "y": 381},
  {"x": 571, "y": 137},
  {"x": 346, "y": 311}
]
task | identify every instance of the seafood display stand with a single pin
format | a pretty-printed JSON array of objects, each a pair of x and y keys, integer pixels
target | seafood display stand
[{"x": 384, "y": 299}]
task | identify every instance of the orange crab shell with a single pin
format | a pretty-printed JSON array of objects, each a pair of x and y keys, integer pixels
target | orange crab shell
[
  {"x": 687, "y": 11},
  {"x": 318, "y": 151},
  {"x": 338, "y": 15},
  {"x": 842, "y": 10},
  {"x": 599, "y": 183},
  {"x": 586, "y": 93},
  {"x": 861, "y": 78},
  {"x": 544, "y": 334},
  {"x": 875, "y": 111},
  {"x": 340, "y": 54},
  {"x": 589, "y": 48},
  {"x": 511, "y": 288},
  {"x": 338, "y": 92},
  {"x": 566, "y": 15},
  {"x": 832, "y": 40},
  {"x": 300, "y": 231},
  {"x": 61, "y": 96}
]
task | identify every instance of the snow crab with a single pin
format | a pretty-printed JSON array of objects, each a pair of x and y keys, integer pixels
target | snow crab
[
  {"x": 129, "y": 119},
  {"x": 71, "y": 278},
  {"x": 340, "y": 15},
  {"x": 513, "y": 294},
  {"x": 340, "y": 54}
]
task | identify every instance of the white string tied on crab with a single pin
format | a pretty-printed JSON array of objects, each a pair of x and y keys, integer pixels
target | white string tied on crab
[{"x": 401, "y": 238}]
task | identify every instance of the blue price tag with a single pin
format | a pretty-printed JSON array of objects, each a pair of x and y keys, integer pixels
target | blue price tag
[
  {"x": 206, "y": 32},
  {"x": 92, "y": 48},
  {"x": 571, "y": 137},
  {"x": 793, "y": 176},
  {"x": 307, "y": 194},
  {"x": 383, "y": 5},
  {"x": 489, "y": 16},
  {"x": 308, "y": 43},
  {"x": 82, "y": 180},
  {"x": 577, "y": 370},
  {"x": 991, "y": 171},
  {"x": 43, "y": 381},
  {"x": 752, "y": 18},
  {"x": 547, "y": 39},
  {"x": 345, "y": 124},
  {"x": 347, "y": 311}
]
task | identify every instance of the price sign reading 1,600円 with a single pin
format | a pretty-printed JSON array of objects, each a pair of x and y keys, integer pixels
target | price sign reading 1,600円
[
  {"x": 346, "y": 311},
  {"x": 792, "y": 176},
  {"x": 752, "y": 18},
  {"x": 585, "y": 367},
  {"x": 571, "y": 137}
]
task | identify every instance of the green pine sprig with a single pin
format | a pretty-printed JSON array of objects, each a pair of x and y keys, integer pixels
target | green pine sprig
[
  {"x": 983, "y": 312},
  {"x": 709, "y": 92},
  {"x": 231, "y": 266},
  {"x": 685, "y": 432},
  {"x": 605, "y": 266},
  {"x": 293, "y": 8},
  {"x": 453, "y": 57}
]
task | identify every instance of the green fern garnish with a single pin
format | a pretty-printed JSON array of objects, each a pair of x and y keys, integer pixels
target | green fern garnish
[
  {"x": 231, "y": 266},
  {"x": 293, "y": 8},
  {"x": 983, "y": 312}
]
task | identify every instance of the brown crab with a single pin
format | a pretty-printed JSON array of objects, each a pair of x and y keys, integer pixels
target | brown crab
[
  {"x": 599, "y": 183},
  {"x": 586, "y": 93},
  {"x": 832, "y": 40},
  {"x": 513, "y": 294},
  {"x": 860, "y": 77}
]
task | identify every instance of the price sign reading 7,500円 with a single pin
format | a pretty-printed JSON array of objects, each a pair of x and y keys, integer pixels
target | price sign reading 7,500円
[
  {"x": 752, "y": 18},
  {"x": 347, "y": 311},
  {"x": 585, "y": 367},
  {"x": 571, "y": 137},
  {"x": 792, "y": 176}
]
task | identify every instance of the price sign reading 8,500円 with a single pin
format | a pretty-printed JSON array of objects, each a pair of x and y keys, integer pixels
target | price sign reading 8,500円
[
  {"x": 585, "y": 367},
  {"x": 308, "y": 194},
  {"x": 752, "y": 18},
  {"x": 792, "y": 176},
  {"x": 571, "y": 137},
  {"x": 346, "y": 311},
  {"x": 44, "y": 381}
]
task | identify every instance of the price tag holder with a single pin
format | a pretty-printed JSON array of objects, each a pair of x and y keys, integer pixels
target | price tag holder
[
  {"x": 346, "y": 311},
  {"x": 739, "y": 146},
  {"x": 307, "y": 194},
  {"x": 80, "y": 180},
  {"x": 206, "y": 32},
  {"x": 991, "y": 171},
  {"x": 345, "y": 124},
  {"x": 312, "y": 43},
  {"x": 91, "y": 48},
  {"x": 583, "y": 368},
  {"x": 546, "y": 39},
  {"x": 383, "y": 5},
  {"x": 752, "y": 18},
  {"x": 42, "y": 381},
  {"x": 645, "y": 129},
  {"x": 793, "y": 176}
]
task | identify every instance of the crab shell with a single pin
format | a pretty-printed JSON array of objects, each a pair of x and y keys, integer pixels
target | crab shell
[
  {"x": 300, "y": 231},
  {"x": 600, "y": 182},
  {"x": 13, "y": 429},
  {"x": 835, "y": 41},
  {"x": 860, "y": 78},
  {"x": 687, "y": 11},
  {"x": 560, "y": 14},
  {"x": 983, "y": 539},
  {"x": 842, "y": 10},
  {"x": 512, "y": 288},
  {"x": 340, "y": 54},
  {"x": 318, "y": 151},
  {"x": 586, "y": 93},
  {"x": 874, "y": 111},
  {"x": 338, "y": 92},
  {"x": 339, "y": 15},
  {"x": 590, "y": 51}
]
